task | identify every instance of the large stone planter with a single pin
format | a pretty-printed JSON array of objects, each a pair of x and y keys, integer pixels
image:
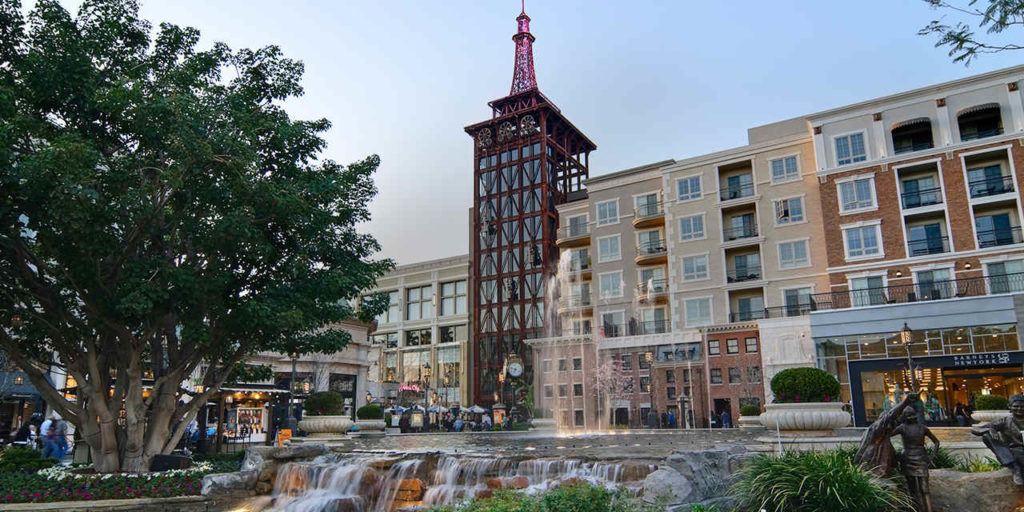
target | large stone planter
[
  {"x": 326, "y": 425},
  {"x": 543, "y": 423},
  {"x": 369, "y": 427},
  {"x": 750, "y": 423},
  {"x": 987, "y": 416},
  {"x": 805, "y": 416}
]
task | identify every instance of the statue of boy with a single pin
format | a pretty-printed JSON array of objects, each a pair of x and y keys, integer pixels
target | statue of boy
[
  {"x": 1003, "y": 437},
  {"x": 915, "y": 458}
]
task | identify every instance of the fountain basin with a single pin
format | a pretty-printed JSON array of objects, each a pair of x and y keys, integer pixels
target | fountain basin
[
  {"x": 989, "y": 415},
  {"x": 326, "y": 425}
]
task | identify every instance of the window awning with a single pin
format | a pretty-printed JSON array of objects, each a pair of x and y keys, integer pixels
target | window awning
[
  {"x": 911, "y": 122},
  {"x": 254, "y": 390},
  {"x": 978, "y": 108}
]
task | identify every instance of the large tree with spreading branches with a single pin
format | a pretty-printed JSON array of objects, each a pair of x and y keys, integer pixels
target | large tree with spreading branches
[
  {"x": 162, "y": 218},
  {"x": 963, "y": 19}
]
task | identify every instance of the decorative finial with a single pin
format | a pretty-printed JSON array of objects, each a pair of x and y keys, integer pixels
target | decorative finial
[{"x": 523, "y": 78}]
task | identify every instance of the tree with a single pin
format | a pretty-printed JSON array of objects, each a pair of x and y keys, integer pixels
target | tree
[
  {"x": 963, "y": 42},
  {"x": 162, "y": 217}
]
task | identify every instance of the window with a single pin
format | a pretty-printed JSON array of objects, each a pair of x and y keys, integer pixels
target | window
[
  {"x": 988, "y": 181},
  {"x": 419, "y": 302},
  {"x": 417, "y": 337},
  {"x": 716, "y": 375},
  {"x": 912, "y": 135},
  {"x": 996, "y": 229},
  {"x": 850, "y": 149},
  {"x": 453, "y": 298},
  {"x": 754, "y": 374},
  {"x": 732, "y": 346},
  {"x": 563, "y": 390},
  {"x": 647, "y": 205},
  {"x": 735, "y": 377},
  {"x": 645, "y": 384},
  {"x": 546, "y": 366},
  {"x": 934, "y": 284},
  {"x": 714, "y": 347},
  {"x": 611, "y": 284},
  {"x": 652, "y": 280},
  {"x": 608, "y": 249},
  {"x": 608, "y": 212},
  {"x": 751, "y": 345},
  {"x": 562, "y": 365},
  {"x": 670, "y": 376},
  {"x": 798, "y": 301},
  {"x": 793, "y": 254},
  {"x": 856, "y": 194},
  {"x": 627, "y": 362},
  {"x": 1006, "y": 276},
  {"x": 578, "y": 416},
  {"x": 784, "y": 169},
  {"x": 695, "y": 267},
  {"x": 789, "y": 211},
  {"x": 979, "y": 122},
  {"x": 453, "y": 333},
  {"x": 691, "y": 228},
  {"x": 867, "y": 291},
  {"x": 549, "y": 391},
  {"x": 862, "y": 242},
  {"x": 698, "y": 312},
  {"x": 577, "y": 225},
  {"x": 19, "y": 381},
  {"x": 393, "y": 311},
  {"x": 577, "y": 390},
  {"x": 688, "y": 188},
  {"x": 577, "y": 364},
  {"x": 612, "y": 324},
  {"x": 645, "y": 360},
  {"x": 924, "y": 239},
  {"x": 389, "y": 340},
  {"x": 670, "y": 392}
]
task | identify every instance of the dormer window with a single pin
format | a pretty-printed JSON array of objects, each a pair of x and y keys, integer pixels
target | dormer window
[
  {"x": 980, "y": 121},
  {"x": 912, "y": 135}
]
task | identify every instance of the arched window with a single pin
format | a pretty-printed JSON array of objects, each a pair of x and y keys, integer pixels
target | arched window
[
  {"x": 979, "y": 121},
  {"x": 912, "y": 135}
]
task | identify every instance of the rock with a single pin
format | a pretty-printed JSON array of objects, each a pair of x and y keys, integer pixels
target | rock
[
  {"x": 410, "y": 489},
  {"x": 954, "y": 491},
  {"x": 708, "y": 472},
  {"x": 228, "y": 484},
  {"x": 669, "y": 484},
  {"x": 263, "y": 488},
  {"x": 509, "y": 482},
  {"x": 635, "y": 471},
  {"x": 298, "y": 451}
]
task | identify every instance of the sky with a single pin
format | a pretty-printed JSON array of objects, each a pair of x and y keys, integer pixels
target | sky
[{"x": 646, "y": 80}]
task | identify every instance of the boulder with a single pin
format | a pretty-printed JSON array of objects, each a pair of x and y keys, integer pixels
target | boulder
[
  {"x": 410, "y": 489},
  {"x": 508, "y": 482},
  {"x": 708, "y": 472},
  {"x": 298, "y": 451},
  {"x": 954, "y": 491},
  {"x": 635, "y": 471},
  {"x": 668, "y": 484},
  {"x": 229, "y": 484}
]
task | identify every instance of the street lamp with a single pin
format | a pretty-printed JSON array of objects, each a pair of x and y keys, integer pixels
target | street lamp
[
  {"x": 290, "y": 422},
  {"x": 906, "y": 335}
]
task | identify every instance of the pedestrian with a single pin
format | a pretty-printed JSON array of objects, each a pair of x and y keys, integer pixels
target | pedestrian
[
  {"x": 726, "y": 419},
  {"x": 664, "y": 420},
  {"x": 23, "y": 436},
  {"x": 61, "y": 428},
  {"x": 458, "y": 424},
  {"x": 961, "y": 414},
  {"x": 50, "y": 446},
  {"x": 671, "y": 419},
  {"x": 44, "y": 429}
]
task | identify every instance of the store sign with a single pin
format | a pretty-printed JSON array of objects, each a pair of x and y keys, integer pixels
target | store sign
[{"x": 982, "y": 359}]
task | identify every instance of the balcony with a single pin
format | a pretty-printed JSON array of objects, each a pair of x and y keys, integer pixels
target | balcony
[
  {"x": 659, "y": 326},
  {"x": 649, "y": 215},
  {"x": 651, "y": 252},
  {"x": 573, "y": 236},
  {"x": 997, "y": 237},
  {"x": 579, "y": 269},
  {"x": 935, "y": 290},
  {"x": 748, "y": 230},
  {"x": 739, "y": 275},
  {"x": 993, "y": 186},
  {"x": 731, "y": 193},
  {"x": 746, "y": 316},
  {"x": 921, "y": 198},
  {"x": 925, "y": 246},
  {"x": 654, "y": 290},
  {"x": 575, "y": 302}
]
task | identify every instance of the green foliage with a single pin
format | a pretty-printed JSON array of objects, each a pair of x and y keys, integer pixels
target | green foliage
[
  {"x": 370, "y": 412},
  {"x": 31, "y": 487},
  {"x": 750, "y": 410},
  {"x": 23, "y": 459},
  {"x": 581, "y": 497},
  {"x": 702, "y": 508},
  {"x": 941, "y": 458},
  {"x": 222, "y": 462},
  {"x": 804, "y": 385},
  {"x": 324, "y": 403},
  {"x": 972, "y": 464},
  {"x": 991, "y": 403},
  {"x": 814, "y": 482},
  {"x": 964, "y": 43}
]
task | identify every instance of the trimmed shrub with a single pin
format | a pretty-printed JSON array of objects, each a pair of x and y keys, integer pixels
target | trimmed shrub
[
  {"x": 324, "y": 403},
  {"x": 971, "y": 464},
  {"x": 581, "y": 497},
  {"x": 18, "y": 459},
  {"x": 991, "y": 403},
  {"x": 794, "y": 385},
  {"x": 750, "y": 410},
  {"x": 370, "y": 412},
  {"x": 813, "y": 482}
]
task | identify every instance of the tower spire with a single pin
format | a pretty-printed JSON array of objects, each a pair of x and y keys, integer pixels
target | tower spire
[{"x": 524, "y": 78}]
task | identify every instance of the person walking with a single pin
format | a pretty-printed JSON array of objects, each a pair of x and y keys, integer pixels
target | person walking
[
  {"x": 671, "y": 420},
  {"x": 726, "y": 419},
  {"x": 664, "y": 420},
  {"x": 50, "y": 446}
]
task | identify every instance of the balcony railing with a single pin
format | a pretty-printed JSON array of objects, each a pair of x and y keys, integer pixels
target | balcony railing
[
  {"x": 747, "y": 230},
  {"x": 575, "y": 300},
  {"x": 746, "y": 316},
  {"x": 690, "y": 353},
  {"x": 653, "y": 327},
  {"x": 921, "y": 198},
  {"x": 576, "y": 265},
  {"x": 899, "y": 149},
  {"x": 652, "y": 248},
  {"x": 997, "y": 237},
  {"x": 736, "y": 191},
  {"x": 930, "y": 245},
  {"x": 981, "y": 134},
  {"x": 612, "y": 331},
  {"x": 649, "y": 210},
  {"x": 652, "y": 287},
  {"x": 933, "y": 290},
  {"x": 573, "y": 231},
  {"x": 738, "y": 275},
  {"x": 992, "y": 186}
]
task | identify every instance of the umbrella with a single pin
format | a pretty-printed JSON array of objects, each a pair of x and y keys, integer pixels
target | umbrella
[
  {"x": 437, "y": 408},
  {"x": 476, "y": 409}
]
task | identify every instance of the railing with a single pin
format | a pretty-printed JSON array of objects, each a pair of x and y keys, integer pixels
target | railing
[
  {"x": 997, "y": 237},
  {"x": 612, "y": 331},
  {"x": 652, "y": 248},
  {"x": 930, "y": 245},
  {"x": 992, "y": 186},
  {"x": 933, "y": 290},
  {"x": 738, "y": 275},
  {"x": 920, "y": 146},
  {"x": 746, "y": 316},
  {"x": 652, "y": 287},
  {"x": 727, "y": 193},
  {"x": 745, "y": 231},
  {"x": 649, "y": 210},
  {"x": 579, "y": 265},
  {"x": 921, "y": 198},
  {"x": 691, "y": 353},
  {"x": 573, "y": 230},
  {"x": 980, "y": 134},
  {"x": 654, "y": 327},
  {"x": 575, "y": 301}
]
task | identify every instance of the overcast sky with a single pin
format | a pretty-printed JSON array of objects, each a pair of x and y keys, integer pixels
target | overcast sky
[{"x": 645, "y": 80}]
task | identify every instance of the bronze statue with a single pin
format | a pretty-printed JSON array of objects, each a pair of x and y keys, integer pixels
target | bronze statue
[
  {"x": 915, "y": 459},
  {"x": 876, "y": 452},
  {"x": 1003, "y": 437}
]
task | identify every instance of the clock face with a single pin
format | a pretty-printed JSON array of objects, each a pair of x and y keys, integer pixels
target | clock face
[{"x": 515, "y": 369}]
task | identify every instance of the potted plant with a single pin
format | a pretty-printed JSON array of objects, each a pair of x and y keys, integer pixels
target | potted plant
[
  {"x": 324, "y": 414},
  {"x": 990, "y": 407},
  {"x": 370, "y": 420},
  {"x": 806, "y": 399},
  {"x": 750, "y": 417}
]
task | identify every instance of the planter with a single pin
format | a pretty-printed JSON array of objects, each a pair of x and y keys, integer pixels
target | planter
[
  {"x": 326, "y": 425},
  {"x": 369, "y": 428},
  {"x": 750, "y": 423},
  {"x": 543, "y": 423},
  {"x": 805, "y": 416},
  {"x": 987, "y": 416}
]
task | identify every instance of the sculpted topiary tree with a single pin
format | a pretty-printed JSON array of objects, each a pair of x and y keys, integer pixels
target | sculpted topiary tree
[{"x": 161, "y": 215}]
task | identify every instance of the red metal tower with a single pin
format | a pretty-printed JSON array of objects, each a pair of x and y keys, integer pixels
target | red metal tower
[{"x": 528, "y": 158}]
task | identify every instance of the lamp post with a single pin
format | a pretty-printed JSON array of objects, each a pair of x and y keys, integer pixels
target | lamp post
[
  {"x": 426, "y": 392},
  {"x": 290, "y": 422},
  {"x": 906, "y": 335}
]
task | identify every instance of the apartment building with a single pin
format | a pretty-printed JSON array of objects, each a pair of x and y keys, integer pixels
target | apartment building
[
  {"x": 922, "y": 223},
  {"x": 424, "y": 333}
]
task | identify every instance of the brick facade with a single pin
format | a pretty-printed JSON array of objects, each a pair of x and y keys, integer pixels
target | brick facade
[{"x": 728, "y": 395}]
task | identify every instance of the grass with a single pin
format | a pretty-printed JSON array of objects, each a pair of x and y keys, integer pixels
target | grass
[{"x": 582, "y": 497}]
